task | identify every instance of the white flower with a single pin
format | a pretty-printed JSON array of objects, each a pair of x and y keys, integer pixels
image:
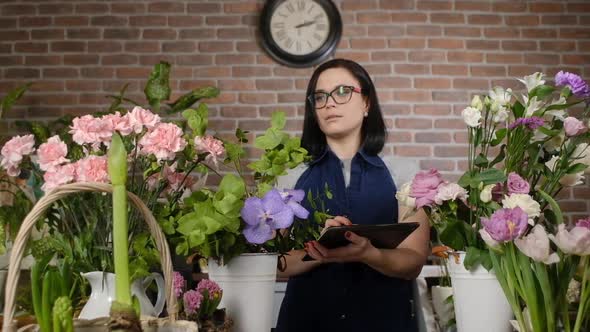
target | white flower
[
  {"x": 557, "y": 114},
  {"x": 532, "y": 81},
  {"x": 500, "y": 115},
  {"x": 450, "y": 192},
  {"x": 525, "y": 202},
  {"x": 471, "y": 116},
  {"x": 551, "y": 163},
  {"x": 536, "y": 246},
  {"x": 403, "y": 196},
  {"x": 532, "y": 106},
  {"x": 554, "y": 144},
  {"x": 487, "y": 238},
  {"x": 486, "y": 194},
  {"x": 582, "y": 153},
  {"x": 476, "y": 103},
  {"x": 570, "y": 180},
  {"x": 500, "y": 96}
]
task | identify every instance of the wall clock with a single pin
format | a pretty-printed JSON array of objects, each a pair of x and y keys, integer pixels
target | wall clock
[{"x": 300, "y": 33}]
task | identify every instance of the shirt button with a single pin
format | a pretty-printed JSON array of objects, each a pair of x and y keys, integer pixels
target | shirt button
[{"x": 343, "y": 316}]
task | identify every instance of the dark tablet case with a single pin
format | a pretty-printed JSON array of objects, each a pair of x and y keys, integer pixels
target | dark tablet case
[{"x": 382, "y": 236}]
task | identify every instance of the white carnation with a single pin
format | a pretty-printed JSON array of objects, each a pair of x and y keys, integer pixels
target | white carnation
[{"x": 471, "y": 116}]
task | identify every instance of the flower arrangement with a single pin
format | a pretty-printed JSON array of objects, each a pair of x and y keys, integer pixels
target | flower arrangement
[{"x": 523, "y": 151}]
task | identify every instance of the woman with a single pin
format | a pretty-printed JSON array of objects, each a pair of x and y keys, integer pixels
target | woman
[{"x": 357, "y": 287}]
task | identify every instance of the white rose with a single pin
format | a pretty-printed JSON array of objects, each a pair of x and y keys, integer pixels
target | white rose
[
  {"x": 471, "y": 116},
  {"x": 532, "y": 81},
  {"x": 486, "y": 194},
  {"x": 525, "y": 202},
  {"x": 570, "y": 180},
  {"x": 403, "y": 196}
]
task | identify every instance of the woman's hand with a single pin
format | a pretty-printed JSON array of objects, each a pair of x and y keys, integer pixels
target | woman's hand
[{"x": 337, "y": 221}]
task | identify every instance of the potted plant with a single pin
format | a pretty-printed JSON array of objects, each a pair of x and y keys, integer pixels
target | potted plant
[{"x": 524, "y": 149}]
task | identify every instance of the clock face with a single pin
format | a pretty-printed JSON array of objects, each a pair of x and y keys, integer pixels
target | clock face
[
  {"x": 299, "y": 27},
  {"x": 300, "y": 33}
]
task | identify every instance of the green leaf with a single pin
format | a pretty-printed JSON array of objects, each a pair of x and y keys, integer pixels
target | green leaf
[
  {"x": 481, "y": 161},
  {"x": 541, "y": 91},
  {"x": 263, "y": 188},
  {"x": 234, "y": 151},
  {"x": 233, "y": 184},
  {"x": 518, "y": 109},
  {"x": 451, "y": 234},
  {"x": 562, "y": 106},
  {"x": 278, "y": 120},
  {"x": 12, "y": 97},
  {"x": 261, "y": 165},
  {"x": 549, "y": 132},
  {"x": 188, "y": 223},
  {"x": 472, "y": 257},
  {"x": 576, "y": 168},
  {"x": 228, "y": 205},
  {"x": 500, "y": 134},
  {"x": 271, "y": 139},
  {"x": 488, "y": 176},
  {"x": 187, "y": 100},
  {"x": 241, "y": 135},
  {"x": 501, "y": 155},
  {"x": 197, "y": 119},
  {"x": 554, "y": 206},
  {"x": 465, "y": 180},
  {"x": 157, "y": 87}
]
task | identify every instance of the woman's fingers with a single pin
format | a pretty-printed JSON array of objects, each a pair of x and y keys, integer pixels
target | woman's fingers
[{"x": 338, "y": 221}]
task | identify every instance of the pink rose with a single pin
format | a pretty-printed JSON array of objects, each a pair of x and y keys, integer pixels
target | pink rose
[
  {"x": 92, "y": 169},
  {"x": 140, "y": 118},
  {"x": 210, "y": 145},
  {"x": 60, "y": 175},
  {"x": 163, "y": 141},
  {"x": 517, "y": 185},
  {"x": 52, "y": 154},
  {"x": 90, "y": 130},
  {"x": 573, "y": 126},
  {"x": 13, "y": 152},
  {"x": 425, "y": 186}
]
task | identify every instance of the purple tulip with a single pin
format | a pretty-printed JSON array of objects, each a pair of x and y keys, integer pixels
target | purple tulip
[{"x": 506, "y": 224}]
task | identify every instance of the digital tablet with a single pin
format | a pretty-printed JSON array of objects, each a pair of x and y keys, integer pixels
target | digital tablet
[{"x": 382, "y": 236}]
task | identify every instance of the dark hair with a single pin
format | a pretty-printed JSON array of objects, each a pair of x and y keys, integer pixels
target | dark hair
[{"x": 373, "y": 132}]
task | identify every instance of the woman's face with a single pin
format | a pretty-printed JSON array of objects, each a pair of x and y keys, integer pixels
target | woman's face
[{"x": 339, "y": 119}]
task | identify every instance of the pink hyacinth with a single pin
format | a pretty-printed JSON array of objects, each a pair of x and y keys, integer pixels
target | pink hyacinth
[
  {"x": 60, "y": 175},
  {"x": 13, "y": 152},
  {"x": 178, "y": 284},
  {"x": 506, "y": 224},
  {"x": 164, "y": 141},
  {"x": 210, "y": 145},
  {"x": 52, "y": 154},
  {"x": 424, "y": 187},
  {"x": 211, "y": 286},
  {"x": 192, "y": 301},
  {"x": 92, "y": 169}
]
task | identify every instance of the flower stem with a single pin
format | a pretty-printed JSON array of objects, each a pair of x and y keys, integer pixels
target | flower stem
[{"x": 584, "y": 295}]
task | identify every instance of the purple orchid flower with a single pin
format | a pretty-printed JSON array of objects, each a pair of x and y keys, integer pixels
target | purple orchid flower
[
  {"x": 263, "y": 216},
  {"x": 293, "y": 199}
]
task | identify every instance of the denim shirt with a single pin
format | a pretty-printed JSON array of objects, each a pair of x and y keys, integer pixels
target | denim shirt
[{"x": 348, "y": 296}]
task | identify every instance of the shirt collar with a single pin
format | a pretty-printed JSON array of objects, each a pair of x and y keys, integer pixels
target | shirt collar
[{"x": 372, "y": 160}]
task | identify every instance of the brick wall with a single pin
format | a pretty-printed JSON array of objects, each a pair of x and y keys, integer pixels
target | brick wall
[{"x": 427, "y": 58}]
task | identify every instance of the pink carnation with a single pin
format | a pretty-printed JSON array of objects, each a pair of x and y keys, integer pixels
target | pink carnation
[
  {"x": 60, "y": 175},
  {"x": 140, "y": 118},
  {"x": 192, "y": 301},
  {"x": 13, "y": 152},
  {"x": 52, "y": 154},
  {"x": 90, "y": 130},
  {"x": 573, "y": 126},
  {"x": 163, "y": 141},
  {"x": 210, "y": 145},
  {"x": 178, "y": 284},
  {"x": 425, "y": 187},
  {"x": 211, "y": 286},
  {"x": 517, "y": 185},
  {"x": 119, "y": 123},
  {"x": 92, "y": 169}
]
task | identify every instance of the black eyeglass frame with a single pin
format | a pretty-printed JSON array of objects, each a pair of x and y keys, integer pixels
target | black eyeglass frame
[{"x": 310, "y": 98}]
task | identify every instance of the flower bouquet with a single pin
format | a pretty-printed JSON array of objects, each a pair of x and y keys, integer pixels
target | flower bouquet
[{"x": 524, "y": 149}]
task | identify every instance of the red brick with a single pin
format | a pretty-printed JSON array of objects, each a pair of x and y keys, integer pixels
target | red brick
[
  {"x": 133, "y": 72},
  {"x": 223, "y": 20},
  {"x": 423, "y": 30},
  {"x": 70, "y": 21},
  {"x": 441, "y": 165},
  {"x": 44, "y": 34},
  {"x": 483, "y": 44},
  {"x": 465, "y": 56},
  {"x": 159, "y": 33},
  {"x": 504, "y": 32},
  {"x": 264, "y": 59},
  {"x": 432, "y": 83},
  {"x": 5, "y": 48},
  {"x": 562, "y": 46},
  {"x": 31, "y": 21},
  {"x": 56, "y": 9},
  {"x": 463, "y": 31},
  {"x": 449, "y": 123},
  {"x": 68, "y": 46},
  {"x": 522, "y": 20},
  {"x": 248, "y": 71},
  {"x": 434, "y": 5},
  {"x": 97, "y": 72},
  {"x": 485, "y": 19},
  {"x": 397, "y": 5},
  {"x": 472, "y": 6},
  {"x": 379, "y": 69},
  {"x": 450, "y": 96},
  {"x": 411, "y": 69},
  {"x": 519, "y": 45},
  {"x": 46, "y": 86},
  {"x": 541, "y": 59},
  {"x": 373, "y": 18},
  {"x": 274, "y": 84},
  {"x": 43, "y": 111},
  {"x": 21, "y": 73},
  {"x": 539, "y": 33},
  {"x": 436, "y": 110},
  {"x": 119, "y": 59},
  {"x": 104, "y": 47},
  {"x": 426, "y": 56},
  {"x": 510, "y": 7},
  {"x": 27, "y": 47},
  {"x": 361, "y": 30},
  {"x": 166, "y": 7},
  {"x": 242, "y": 7},
  {"x": 445, "y": 18},
  {"x": 83, "y": 34},
  {"x": 388, "y": 56},
  {"x": 412, "y": 151},
  {"x": 421, "y": 96},
  {"x": 232, "y": 111},
  {"x": 407, "y": 43},
  {"x": 43, "y": 60},
  {"x": 244, "y": 46},
  {"x": 216, "y": 71},
  {"x": 488, "y": 71},
  {"x": 239, "y": 59},
  {"x": 203, "y": 8},
  {"x": 153, "y": 59},
  {"x": 355, "y": 56},
  {"x": 359, "y": 5},
  {"x": 235, "y": 33},
  {"x": 413, "y": 123},
  {"x": 142, "y": 47},
  {"x": 110, "y": 21},
  {"x": 582, "y": 46},
  {"x": 546, "y": 7},
  {"x": 237, "y": 84},
  {"x": 178, "y": 47},
  {"x": 82, "y": 85},
  {"x": 367, "y": 43},
  {"x": 575, "y": 59},
  {"x": 148, "y": 21},
  {"x": 60, "y": 72},
  {"x": 559, "y": 20},
  {"x": 12, "y": 60},
  {"x": 460, "y": 137},
  {"x": 92, "y": 8},
  {"x": 18, "y": 10},
  {"x": 504, "y": 58},
  {"x": 80, "y": 59},
  {"x": 121, "y": 33},
  {"x": 450, "y": 151},
  {"x": 258, "y": 98},
  {"x": 508, "y": 83},
  {"x": 576, "y": 33},
  {"x": 128, "y": 8},
  {"x": 408, "y": 17},
  {"x": 446, "y": 43},
  {"x": 393, "y": 82},
  {"x": 454, "y": 70}
]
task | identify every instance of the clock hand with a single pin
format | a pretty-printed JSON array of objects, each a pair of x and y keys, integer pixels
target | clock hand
[{"x": 304, "y": 24}]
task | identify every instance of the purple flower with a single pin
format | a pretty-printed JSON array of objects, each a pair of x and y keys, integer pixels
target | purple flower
[
  {"x": 292, "y": 198},
  {"x": 583, "y": 223},
  {"x": 531, "y": 123},
  {"x": 211, "y": 286},
  {"x": 178, "y": 284},
  {"x": 192, "y": 302},
  {"x": 265, "y": 215},
  {"x": 425, "y": 187},
  {"x": 576, "y": 84},
  {"x": 506, "y": 224},
  {"x": 517, "y": 185}
]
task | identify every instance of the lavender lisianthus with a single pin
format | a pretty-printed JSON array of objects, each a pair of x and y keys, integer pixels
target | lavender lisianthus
[
  {"x": 263, "y": 216},
  {"x": 531, "y": 123},
  {"x": 576, "y": 84},
  {"x": 506, "y": 224},
  {"x": 293, "y": 199}
]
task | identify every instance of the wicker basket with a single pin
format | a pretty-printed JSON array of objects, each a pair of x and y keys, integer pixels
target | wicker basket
[{"x": 167, "y": 324}]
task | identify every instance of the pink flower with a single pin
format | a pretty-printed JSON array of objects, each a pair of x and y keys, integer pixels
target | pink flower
[
  {"x": 211, "y": 286},
  {"x": 573, "y": 126},
  {"x": 192, "y": 302},
  {"x": 178, "y": 284},
  {"x": 119, "y": 123},
  {"x": 90, "y": 130},
  {"x": 576, "y": 241},
  {"x": 536, "y": 246},
  {"x": 450, "y": 192},
  {"x": 210, "y": 145},
  {"x": 52, "y": 154},
  {"x": 506, "y": 224},
  {"x": 583, "y": 223},
  {"x": 140, "y": 118},
  {"x": 60, "y": 175},
  {"x": 517, "y": 185},
  {"x": 92, "y": 169},
  {"x": 425, "y": 186},
  {"x": 13, "y": 152},
  {"x": 163, "y": 141}
]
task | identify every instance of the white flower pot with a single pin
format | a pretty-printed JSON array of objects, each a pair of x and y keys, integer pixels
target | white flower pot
[
  {"x": 442, "y": 308},
  {"x": 480, "y": 303},
  {"x": 248, "y": 284}
]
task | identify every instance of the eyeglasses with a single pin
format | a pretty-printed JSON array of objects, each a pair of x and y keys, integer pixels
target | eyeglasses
[{"x": 341, "y": 95}]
